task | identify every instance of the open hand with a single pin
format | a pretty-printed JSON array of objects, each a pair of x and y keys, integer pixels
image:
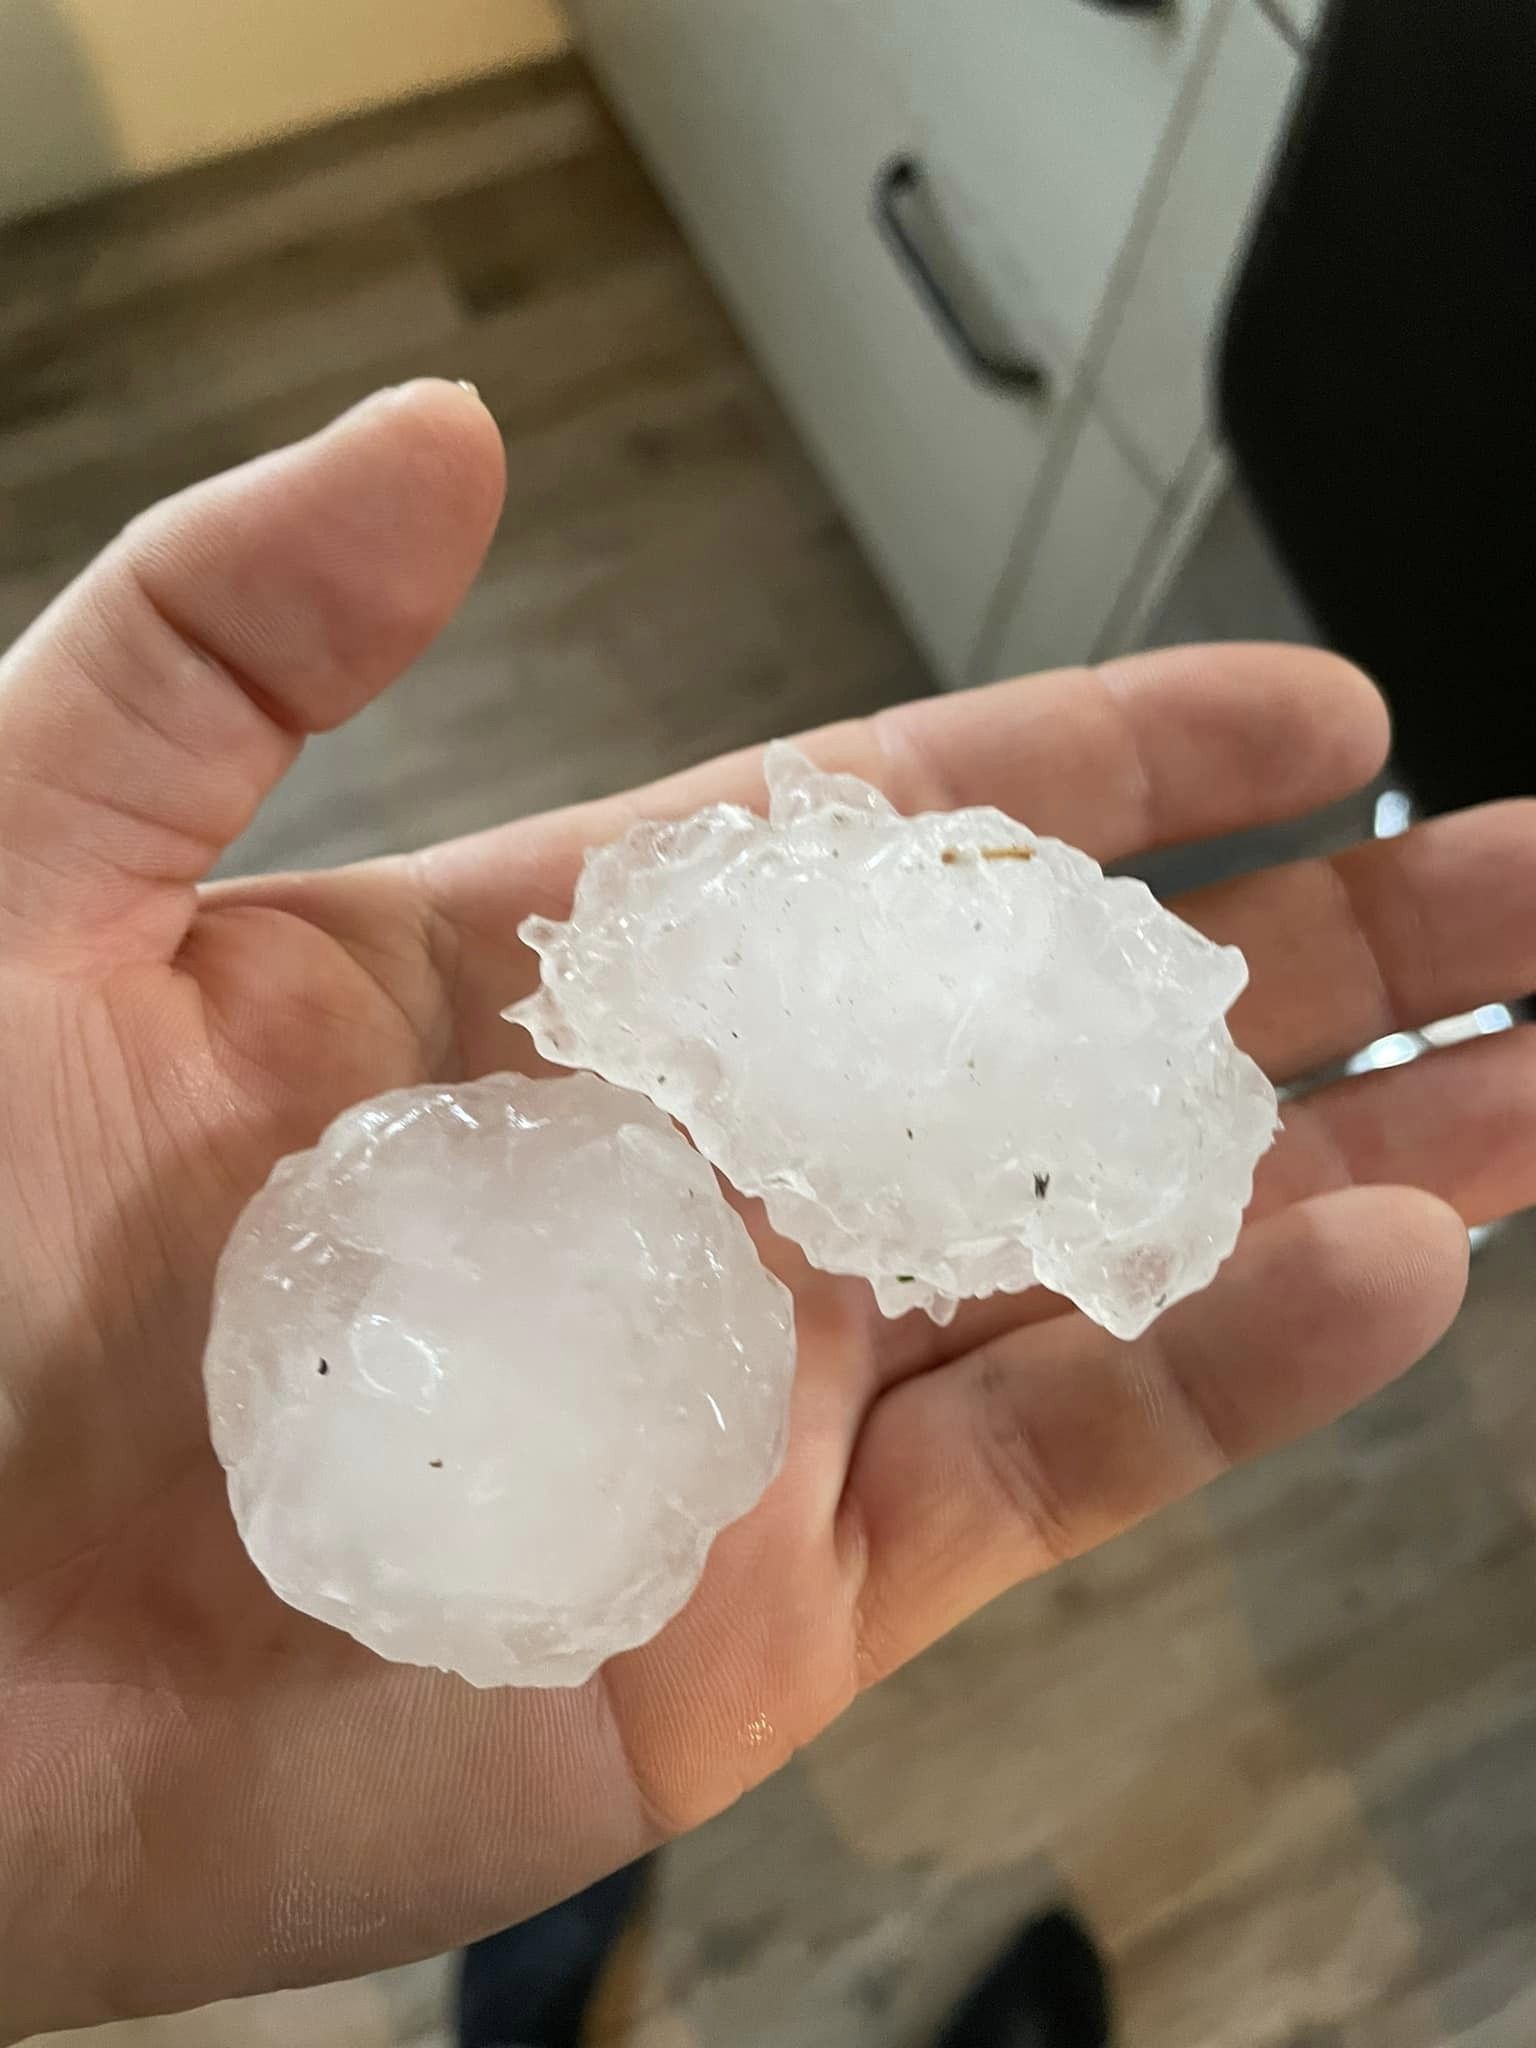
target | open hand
[{"x": 203, "y": 1793}]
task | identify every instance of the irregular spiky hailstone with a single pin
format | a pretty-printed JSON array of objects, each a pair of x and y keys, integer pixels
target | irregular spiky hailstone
[
  {"x": 489, "y": 1370},
  {"x": 950, "y": 1056}
]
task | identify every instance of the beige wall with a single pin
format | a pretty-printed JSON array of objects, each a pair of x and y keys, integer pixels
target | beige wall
[{"x": 95, "y": 90}]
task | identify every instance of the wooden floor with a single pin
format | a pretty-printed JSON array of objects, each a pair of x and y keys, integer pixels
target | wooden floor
[{"x": 1280, "y": 1746}]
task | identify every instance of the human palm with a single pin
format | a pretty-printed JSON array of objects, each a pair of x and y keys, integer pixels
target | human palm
[{"x": 203, "y": 1792}]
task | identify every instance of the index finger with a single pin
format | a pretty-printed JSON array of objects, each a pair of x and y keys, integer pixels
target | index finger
[{"x": 1185, "y": 743}]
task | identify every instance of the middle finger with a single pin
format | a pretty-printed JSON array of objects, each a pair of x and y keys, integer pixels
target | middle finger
[{"x": 1390, "y": 936}]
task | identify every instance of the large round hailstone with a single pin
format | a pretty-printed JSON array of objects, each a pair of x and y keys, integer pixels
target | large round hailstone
[
  {"x": 950, "y": 1056},
  {"x": 489, "y": 1370}
]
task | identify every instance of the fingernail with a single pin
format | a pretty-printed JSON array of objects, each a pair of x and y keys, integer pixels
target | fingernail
[{"x": 392, "y": 393}]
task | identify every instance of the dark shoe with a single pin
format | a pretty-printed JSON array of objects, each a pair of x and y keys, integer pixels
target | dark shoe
[
  {"x": 1049, "y": 1989},
  {"x": 530, "y": 1987}
]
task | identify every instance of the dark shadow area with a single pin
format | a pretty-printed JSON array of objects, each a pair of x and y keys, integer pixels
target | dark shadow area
[{"x": 1375, "y": 379}]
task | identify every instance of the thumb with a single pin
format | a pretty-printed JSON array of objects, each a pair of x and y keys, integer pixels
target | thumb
[{"x": 146, "y": 715}]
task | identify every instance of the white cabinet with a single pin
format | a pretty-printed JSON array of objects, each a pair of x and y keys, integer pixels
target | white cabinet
[
  {"x": 1155, "y": 381},
  {"x": 1102, "y": 523},
  {"x": 1039, "y": 120},
  {"x": 1048, "y": 139},
  {"x": 1300, "y": 17},
  {"x": 768, "y": 123},
  {"x": 1138, "y": 473}
]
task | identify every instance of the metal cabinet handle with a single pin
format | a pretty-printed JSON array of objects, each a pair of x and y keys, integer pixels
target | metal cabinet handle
[{"x": 1013, "y": 373}]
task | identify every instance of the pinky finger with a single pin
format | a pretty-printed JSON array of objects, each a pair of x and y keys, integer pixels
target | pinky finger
[{"x": 1053, "y": 1438}]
